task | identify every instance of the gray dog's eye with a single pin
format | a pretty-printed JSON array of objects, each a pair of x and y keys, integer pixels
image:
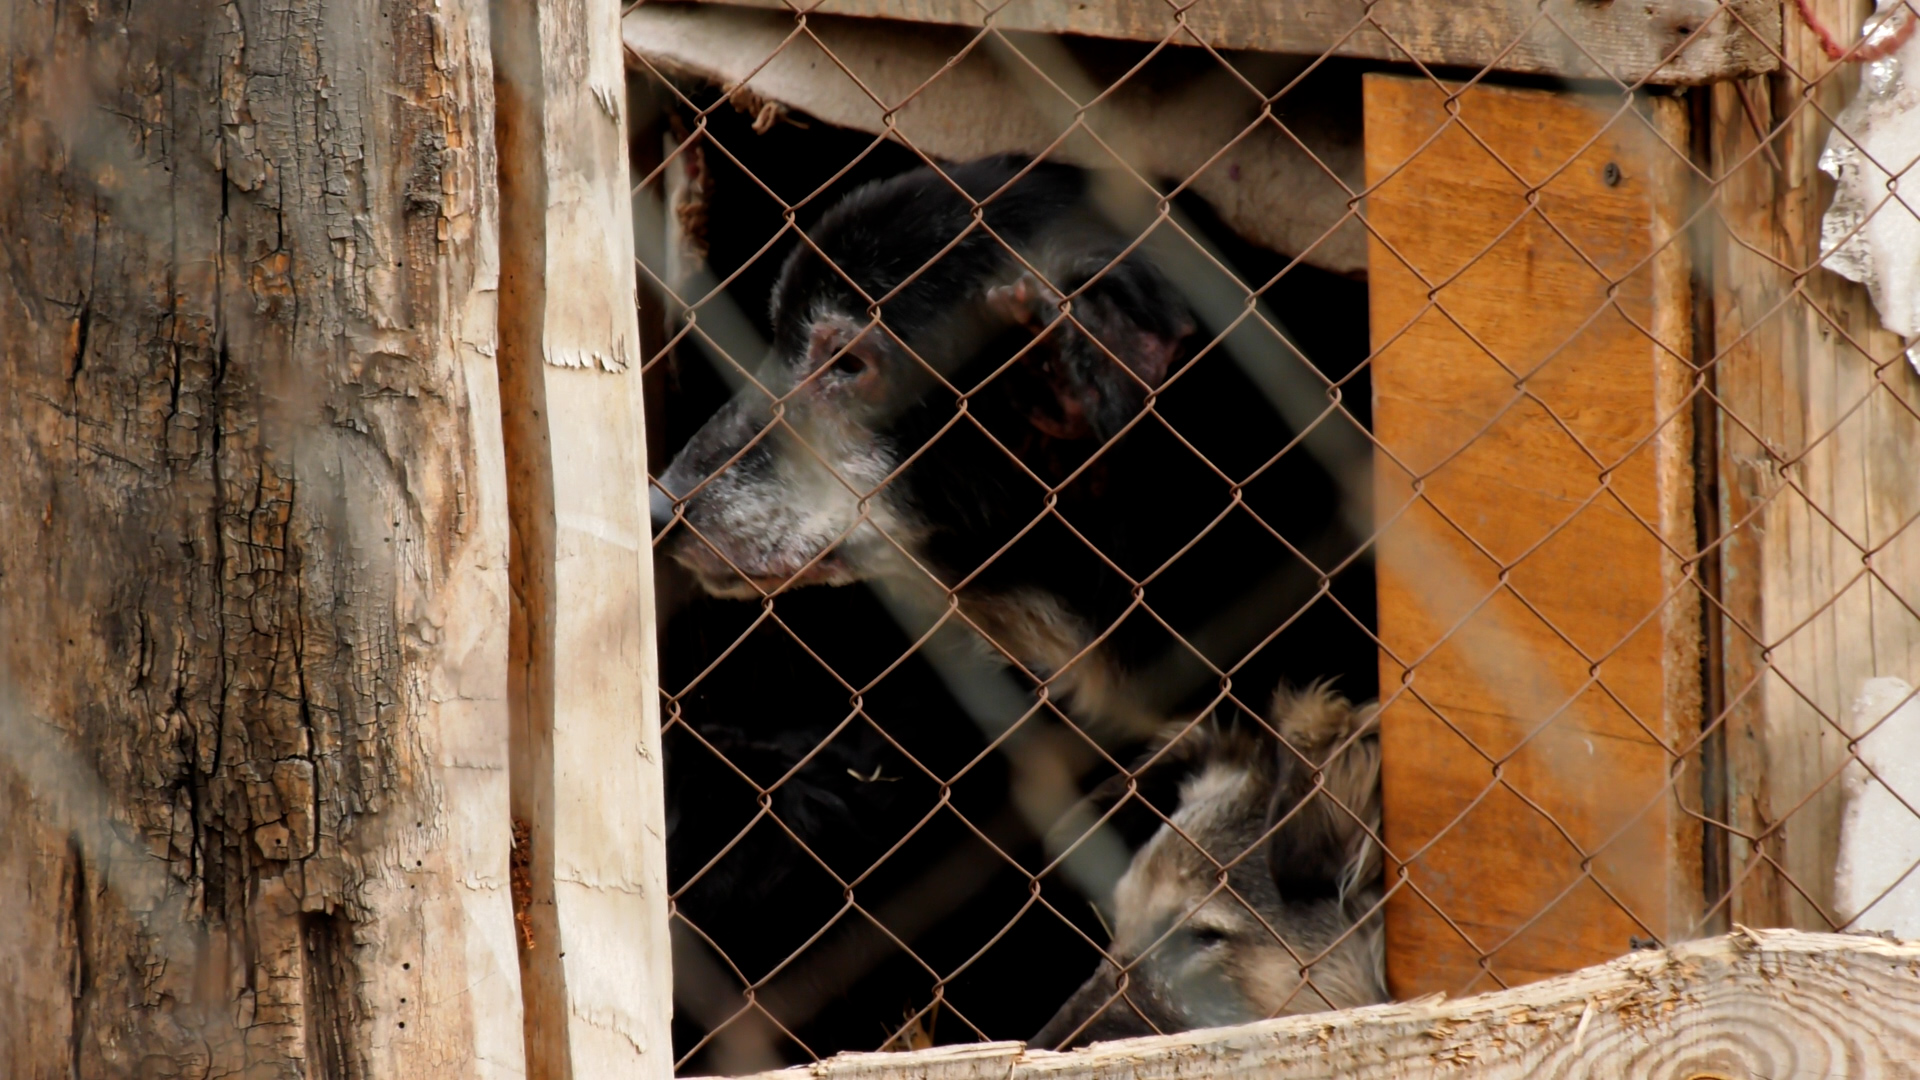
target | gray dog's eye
[
  {"x": 1209, "y": 935},
  {"x": 849, "y": 365}
]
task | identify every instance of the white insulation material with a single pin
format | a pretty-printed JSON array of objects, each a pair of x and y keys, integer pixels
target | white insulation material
[
  {"x": 1871, "y": 234},
  {"x": 1879, "y": 834}
]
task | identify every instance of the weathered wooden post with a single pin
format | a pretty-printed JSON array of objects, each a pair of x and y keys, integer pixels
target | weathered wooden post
[{"x": 256, "y": 774}]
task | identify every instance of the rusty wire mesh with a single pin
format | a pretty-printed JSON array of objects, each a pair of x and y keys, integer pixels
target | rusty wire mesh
[{"x": 877, "y": 833}]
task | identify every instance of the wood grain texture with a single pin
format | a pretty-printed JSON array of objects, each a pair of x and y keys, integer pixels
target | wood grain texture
[
  {"x": 1663, "y": 41},
  {"x": 253, "y": 595},
  {"x": 1756, "y": 1005},
  {"x": 1539, "y": 669},
  {"x": 583, "y": 682},
  {"x": 1818, "y": 440},
  {"x": 1185, "y": 119}
]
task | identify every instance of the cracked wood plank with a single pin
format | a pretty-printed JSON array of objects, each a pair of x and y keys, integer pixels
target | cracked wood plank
[
  {"x": 1680, "y": 42},
  {"x": 253, "y": 593},
  {"x": 1779, "y": 1005},
  {"x": 586, "y": 777}
]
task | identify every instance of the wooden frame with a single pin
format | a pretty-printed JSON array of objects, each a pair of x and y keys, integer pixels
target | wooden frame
[
  {"x": 1660, "y": 42},
  {"x": 1287, "y": 190},
  {"x": 1758, "y": 1003}
]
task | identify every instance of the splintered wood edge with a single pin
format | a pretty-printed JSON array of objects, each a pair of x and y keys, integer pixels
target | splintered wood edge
[{"x": 1751, "y": 1003}]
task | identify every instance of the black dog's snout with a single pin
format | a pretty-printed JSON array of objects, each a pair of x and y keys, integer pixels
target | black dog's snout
[{"x": 660, "y": 506}]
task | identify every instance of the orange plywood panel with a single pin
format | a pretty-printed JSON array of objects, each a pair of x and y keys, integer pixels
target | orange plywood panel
[{"x": 1540, "y": 665}]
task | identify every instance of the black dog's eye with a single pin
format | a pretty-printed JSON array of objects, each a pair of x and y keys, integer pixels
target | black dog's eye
[{"x": 849, "y": 365}]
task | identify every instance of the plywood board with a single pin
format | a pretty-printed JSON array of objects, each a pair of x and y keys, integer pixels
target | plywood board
[
  {"x": 1533, "y": 493},
  {"x": 1661, "y": 41}
]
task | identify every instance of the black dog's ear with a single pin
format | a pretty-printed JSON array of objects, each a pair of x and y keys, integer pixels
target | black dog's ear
[
  {"x": 1322, "y": 835},
  {"x": 1128, "y": 329}
]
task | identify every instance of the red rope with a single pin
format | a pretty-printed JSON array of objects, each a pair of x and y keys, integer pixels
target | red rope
[{"x": 1863, "y": 52}]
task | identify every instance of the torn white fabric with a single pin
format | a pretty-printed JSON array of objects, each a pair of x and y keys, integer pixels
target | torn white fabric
[
  {"x": 1876, "y": 882},
  {"x": 1871, "y": 233}
]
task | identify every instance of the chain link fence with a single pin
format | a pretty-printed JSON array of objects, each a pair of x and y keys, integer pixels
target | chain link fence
[{"x": 1537, "y": 414}]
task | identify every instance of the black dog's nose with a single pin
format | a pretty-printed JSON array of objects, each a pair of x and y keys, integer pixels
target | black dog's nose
[{"x": 661, "y": 508}]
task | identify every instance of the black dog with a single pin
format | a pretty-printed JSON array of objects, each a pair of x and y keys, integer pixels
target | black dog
[
  {"x": 972, "y": 438},
  {"x": 955, "y": 400}
]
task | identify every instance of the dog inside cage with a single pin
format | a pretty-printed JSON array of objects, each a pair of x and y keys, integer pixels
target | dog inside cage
[
  {"x": 993, "y": 505},
  {"x": 1164, "y": 514},
  {"x": 1302, "y": 880}
]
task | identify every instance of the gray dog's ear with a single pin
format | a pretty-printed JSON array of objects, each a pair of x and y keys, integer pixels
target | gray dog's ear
[
  {"x": 1322, "y": 832},
  {"x": 1128, "y": 329}
]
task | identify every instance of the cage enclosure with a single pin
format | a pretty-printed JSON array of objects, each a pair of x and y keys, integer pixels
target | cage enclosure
[
  {"x": 1025, "y": 405},
  {"x": 1444, "y": 431},
  {"x": 869, "y": 817}
]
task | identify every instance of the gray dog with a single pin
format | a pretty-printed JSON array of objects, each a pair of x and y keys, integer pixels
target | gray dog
[{"x": 1294, "y": 930}]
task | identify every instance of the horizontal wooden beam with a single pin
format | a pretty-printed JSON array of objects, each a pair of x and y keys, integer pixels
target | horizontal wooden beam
[
  {"x": 1757, "y": 1003},
  {"x": 1284, "y": 185},
  {"x": 1670, "y": 42}
]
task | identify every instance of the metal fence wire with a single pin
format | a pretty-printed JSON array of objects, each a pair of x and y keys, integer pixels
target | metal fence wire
[{"x": 998, "y": 662}]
